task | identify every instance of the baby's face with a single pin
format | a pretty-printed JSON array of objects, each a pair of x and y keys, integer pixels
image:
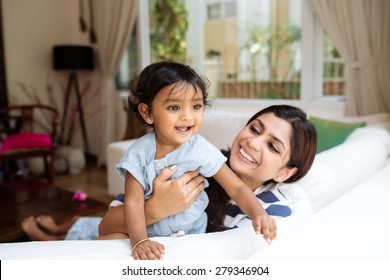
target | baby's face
[{"x": 177, "y": 113}]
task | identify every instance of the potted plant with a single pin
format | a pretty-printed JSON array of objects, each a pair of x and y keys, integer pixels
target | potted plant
[{"x": 168, "y": 39}]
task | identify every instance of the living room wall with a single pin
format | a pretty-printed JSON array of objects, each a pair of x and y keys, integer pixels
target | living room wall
[{"x": 30, "y": 30}]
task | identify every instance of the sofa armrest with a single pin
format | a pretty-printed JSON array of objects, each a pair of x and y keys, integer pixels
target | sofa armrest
[
  {"x": 338, "y": 170},
  {"x": 115, "y": 151}
]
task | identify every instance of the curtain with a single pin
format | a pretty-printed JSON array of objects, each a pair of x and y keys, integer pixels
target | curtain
[
  {"x": 359, "y": 30},
  {"x": 114, "y": 22}
]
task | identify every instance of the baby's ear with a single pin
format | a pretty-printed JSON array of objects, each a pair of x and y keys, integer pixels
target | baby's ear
[{"x": 143, "y": 109}]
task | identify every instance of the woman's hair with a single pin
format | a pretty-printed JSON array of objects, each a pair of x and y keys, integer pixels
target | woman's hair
[
  {"x": 159, "y": 75},
  {"x": 303, "y": 143}
]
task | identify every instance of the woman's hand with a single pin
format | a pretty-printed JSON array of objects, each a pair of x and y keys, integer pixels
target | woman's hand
[
  {"x": 171, "y": 197},
  {"x": 265, "y": 225}
]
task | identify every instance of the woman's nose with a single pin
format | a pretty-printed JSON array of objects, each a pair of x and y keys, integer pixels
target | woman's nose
[{"x": 256, "y": 143}]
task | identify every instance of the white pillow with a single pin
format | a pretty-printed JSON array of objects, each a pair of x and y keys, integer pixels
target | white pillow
[{"x": 338, "y": 170}]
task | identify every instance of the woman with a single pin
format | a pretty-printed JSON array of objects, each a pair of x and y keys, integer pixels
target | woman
[{"x": 277, "y": 145}]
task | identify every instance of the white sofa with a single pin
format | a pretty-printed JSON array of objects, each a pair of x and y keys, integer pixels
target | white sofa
[
  {"x": 220, "y": 128},
  {"x": 336, "y": 198}
]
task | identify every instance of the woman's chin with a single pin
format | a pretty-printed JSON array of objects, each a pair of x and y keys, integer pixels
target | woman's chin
[
  {"x": 237, "y": 159},
  {"x": 239, "y": 165}
]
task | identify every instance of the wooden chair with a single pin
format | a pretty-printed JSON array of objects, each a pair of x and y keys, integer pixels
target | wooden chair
[{"x": 28, "y": 131}]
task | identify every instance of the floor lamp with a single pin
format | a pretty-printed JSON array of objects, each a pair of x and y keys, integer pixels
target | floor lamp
[{"x": 73, "y": 58}]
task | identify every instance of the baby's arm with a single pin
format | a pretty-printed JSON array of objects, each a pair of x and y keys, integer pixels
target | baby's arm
[
  {"x": 247, "y": 201},
  {"x": 142, "y": 247}
]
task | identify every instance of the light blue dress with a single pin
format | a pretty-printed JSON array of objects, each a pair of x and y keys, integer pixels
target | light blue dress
[
  {"x": 85, "y": 228},
  {"x": 195, "y": 154}
]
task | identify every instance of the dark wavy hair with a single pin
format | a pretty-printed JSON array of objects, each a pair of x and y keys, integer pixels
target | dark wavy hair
[
  {"x": 157, "y": 76},
  {"x": 303, "y": 143}
]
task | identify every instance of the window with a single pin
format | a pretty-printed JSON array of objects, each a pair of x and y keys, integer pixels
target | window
[
  {"x": 260, "y": 49},
  {"x": 128, "y": 67},
  {"x": 219, "y": 9},
  {"x": 333, "y": 69},
  {"x": 230, "y": 8},
  {"x": 214, "y": 11}
]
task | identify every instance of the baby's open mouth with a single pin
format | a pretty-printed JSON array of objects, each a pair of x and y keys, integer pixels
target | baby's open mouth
[{"x": 183, "y": 128}]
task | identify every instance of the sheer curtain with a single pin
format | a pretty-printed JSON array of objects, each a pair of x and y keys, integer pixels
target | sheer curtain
[
  {"x": 360, "y": 32},
  {"x": 114, "y": 22}
]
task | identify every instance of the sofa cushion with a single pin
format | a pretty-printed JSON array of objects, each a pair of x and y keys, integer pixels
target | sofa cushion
[
  {"x": 332, "y": 133},
  {"x": 24, "y": 141}
]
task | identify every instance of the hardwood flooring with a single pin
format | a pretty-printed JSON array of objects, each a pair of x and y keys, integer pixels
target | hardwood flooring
[
  {"x": 32, "y": 196},
  {"x": 92, "y": 181},
  {"x": 19, "y": 200}
]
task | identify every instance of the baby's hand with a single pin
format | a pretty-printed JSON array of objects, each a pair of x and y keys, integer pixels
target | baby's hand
[
  {"x": 266, "y": 225},
  {"x": 148, "y": 250}
]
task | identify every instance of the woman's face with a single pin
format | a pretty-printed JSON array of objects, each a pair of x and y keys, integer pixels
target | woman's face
[{"x": 261, "y": 151}]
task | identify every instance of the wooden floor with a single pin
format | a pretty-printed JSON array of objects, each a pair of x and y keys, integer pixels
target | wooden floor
[{"x": 92, "y": 181}]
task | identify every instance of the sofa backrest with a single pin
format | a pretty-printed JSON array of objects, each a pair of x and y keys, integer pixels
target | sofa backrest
[
  {"x": 221, "y": 127},
  {"x": 340, "y": 169}
]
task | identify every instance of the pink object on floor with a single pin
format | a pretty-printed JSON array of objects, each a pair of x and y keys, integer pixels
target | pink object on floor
[{"x": 80, "y": 196}]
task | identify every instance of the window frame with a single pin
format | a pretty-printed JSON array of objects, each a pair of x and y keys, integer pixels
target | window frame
[{"x": 311, "y": 95}]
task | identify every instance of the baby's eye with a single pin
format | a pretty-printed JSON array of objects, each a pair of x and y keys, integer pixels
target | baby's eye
[
  {"x": 197, "y": 106},
  {"x": 174, "y": 107}
]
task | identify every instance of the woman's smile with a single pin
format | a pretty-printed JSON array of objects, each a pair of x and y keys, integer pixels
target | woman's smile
[{"x": 246, "y": 156}]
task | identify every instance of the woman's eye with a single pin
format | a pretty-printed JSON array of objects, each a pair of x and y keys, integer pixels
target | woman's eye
[
  {"x": 174, "y": 107},
  {"x": 273, "y": 148},
  {"x": 254, "y": 129}
]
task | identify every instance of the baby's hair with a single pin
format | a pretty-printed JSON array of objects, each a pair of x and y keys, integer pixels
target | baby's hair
[{"x": 159, "y": 75}]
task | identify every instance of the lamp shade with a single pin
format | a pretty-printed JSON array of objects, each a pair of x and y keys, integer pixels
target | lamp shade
[{"x": 73, "y": 57}]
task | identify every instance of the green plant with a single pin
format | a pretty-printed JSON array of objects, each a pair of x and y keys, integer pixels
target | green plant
[
  {"x": 272, "y": 43},
  {"x": 168, "y": 40}
]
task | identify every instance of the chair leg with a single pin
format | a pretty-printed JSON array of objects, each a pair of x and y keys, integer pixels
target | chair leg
[
  {"x": 47, "y": 169},
  {"x": 6, "y": 170},
  {"x": 52, "y": 171}
]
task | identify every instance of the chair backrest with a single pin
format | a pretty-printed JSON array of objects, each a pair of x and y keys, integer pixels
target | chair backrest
[{"x": 29, "y": 118}]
